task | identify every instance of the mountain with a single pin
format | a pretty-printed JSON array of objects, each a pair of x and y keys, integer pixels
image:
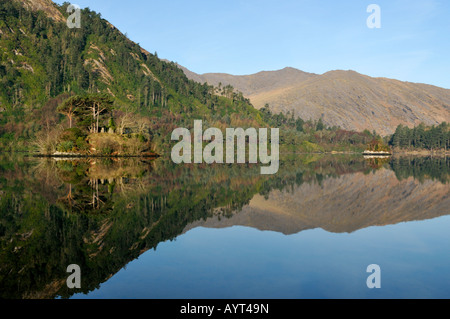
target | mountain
[
  {"x": 254, "y": 84},
  {"x": 343, "y": 98}
]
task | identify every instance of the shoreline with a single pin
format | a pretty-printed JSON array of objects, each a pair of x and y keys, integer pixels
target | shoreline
[
  {"x": 154, "y": 155},
  {"x": 92, "y": 156}
]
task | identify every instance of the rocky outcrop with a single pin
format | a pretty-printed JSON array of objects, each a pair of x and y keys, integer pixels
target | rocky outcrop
[{"x": 46, "y": 6}]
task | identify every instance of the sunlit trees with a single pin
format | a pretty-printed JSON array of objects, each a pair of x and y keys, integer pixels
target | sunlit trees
[
  {"x": 88, "y": 110},
  {"x": 68, "y": 107},
  {"x": 377, "y": 145},
  {"x": 421, "y": 136}
]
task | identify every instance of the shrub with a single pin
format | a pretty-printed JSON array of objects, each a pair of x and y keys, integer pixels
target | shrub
[
  {"x": 111, "y": 124},
  {"x": 72, "y": 135},
  {"x": 108, "y": 146},
  {"x": 66, "y": 146},
  {"x": 81, "y": 144},
  {"x": 309, "y": 147},
  {"x": 134, "y": 146}
]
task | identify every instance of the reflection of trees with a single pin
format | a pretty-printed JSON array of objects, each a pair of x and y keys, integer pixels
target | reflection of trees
[
  {"x": 377, "y": 162},
  {"x": 86, "y": 198},
  {"x": 92, "y": 186},
  {"x": 69, "y": 198},
  {"x": 422, "y": 168},
  {"x": 103, "y": 214},
  {"x": 96, "y": 200}
]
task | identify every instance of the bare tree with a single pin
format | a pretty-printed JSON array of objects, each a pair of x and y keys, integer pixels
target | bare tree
[{"x": 124, "y": 120}]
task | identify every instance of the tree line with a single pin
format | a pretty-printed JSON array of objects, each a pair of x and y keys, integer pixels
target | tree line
[{"x": 422, "y": 137}]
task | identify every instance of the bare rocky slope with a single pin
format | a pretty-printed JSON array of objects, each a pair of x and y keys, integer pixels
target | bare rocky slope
[
  {"x": 344, "y": 98},
  {"x": 46, "y": 6}
]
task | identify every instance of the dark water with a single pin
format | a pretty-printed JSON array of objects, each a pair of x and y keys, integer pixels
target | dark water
[{"x": 151, "y": 229}]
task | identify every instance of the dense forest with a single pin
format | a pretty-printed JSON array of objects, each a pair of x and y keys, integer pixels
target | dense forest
[{"x": 422, "y": 137}]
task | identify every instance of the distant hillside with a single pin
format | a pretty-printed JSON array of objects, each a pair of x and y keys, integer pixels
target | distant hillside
[
  {"x": 251, "y": 85},
  {"x": 343, "y": 98}
]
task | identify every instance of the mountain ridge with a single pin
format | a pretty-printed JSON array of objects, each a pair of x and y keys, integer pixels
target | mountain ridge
[{"x": 344, "y": 98}]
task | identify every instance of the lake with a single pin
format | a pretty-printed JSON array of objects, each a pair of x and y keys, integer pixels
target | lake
[{"x": 147, "y": 228}]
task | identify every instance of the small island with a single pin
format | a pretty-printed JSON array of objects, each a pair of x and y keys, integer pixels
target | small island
[
  {"x": 92, "y": 131},
  {"x": 377, "y": 148}
]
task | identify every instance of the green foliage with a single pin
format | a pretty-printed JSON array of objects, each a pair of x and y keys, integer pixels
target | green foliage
[
  {"x": 422, "y": 168},
  {"x": 299, "y": 124},
  {"x": 66, "y": 146},
  {"x": 309, "y": 147},
  {"x": 111, "y": 124},
  {"x": 72, "y": 134},
  {"x": 422, "y": 137},
  {"x": 320, "y": 126},
  {"x": 72, "y": 139},
  {"x": 82, "y": 145},
  {"x": 89, "y": 110}
]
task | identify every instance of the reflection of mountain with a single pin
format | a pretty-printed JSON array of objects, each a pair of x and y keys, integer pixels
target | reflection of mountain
[
  {"x": 47, "y": 222},
  {"x": 345, "y": 204}
]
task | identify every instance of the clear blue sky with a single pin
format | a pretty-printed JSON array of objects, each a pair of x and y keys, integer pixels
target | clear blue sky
[{"x": 248, "y": 36}]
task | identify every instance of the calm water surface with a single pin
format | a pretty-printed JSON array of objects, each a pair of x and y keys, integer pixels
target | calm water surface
[{"x": 149, "y": 229}]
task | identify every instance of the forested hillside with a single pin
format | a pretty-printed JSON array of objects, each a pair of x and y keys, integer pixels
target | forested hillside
[{"x": 42, "y": 62}]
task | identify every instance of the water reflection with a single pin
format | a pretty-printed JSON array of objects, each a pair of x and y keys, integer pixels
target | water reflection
[
  {"x": 92, "y": 185},
  {"x": 102, "y": 214},
  {"x": 342, "y": 204}
]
